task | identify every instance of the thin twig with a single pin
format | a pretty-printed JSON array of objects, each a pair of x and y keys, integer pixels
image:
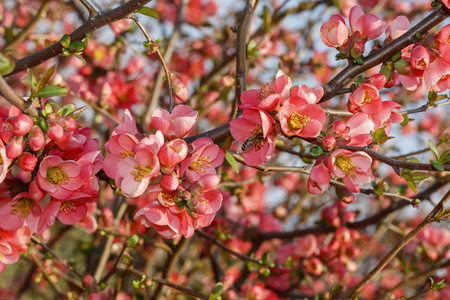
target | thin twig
[
  {"x": 116, "y": 264},
  {"x": 167, "y": 57},
  {"x": 92, "y": 11},
  {"x": 46, "y": 248},
  {"x": 430, "y": 218},
  {"x": 395, "y": 163},
  {"x": 162, "y": 281},
  {"x": 55, "y": 287}
]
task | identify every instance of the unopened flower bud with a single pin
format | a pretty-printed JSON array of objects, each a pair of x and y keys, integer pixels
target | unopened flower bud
[
  {"x": 21, "y": 124},
  {"x": 336, "y": 129},
  {"x": 328, "y": 143},
  {"x": 357, "y": 49},
  {"x": 170, "y": 183},
  {"x": 179, "y": 89},
  {"x": 15, "y": 147},
  {"x": 345, "y": 195},
  {"x": 27, "y": 161},
  {"x": 37, "y": 139}
]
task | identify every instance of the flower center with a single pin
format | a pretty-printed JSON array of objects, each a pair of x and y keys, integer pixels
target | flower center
[
  {"x": 167, "y": 199},
  {"x": 127, "y": 153},
  {"x": 298, "y": 121},
  {"x": 141, "y": 172},
  {"x": 1, "y": 159},
  {"x": 56, "y": 175},
  {"x": 367, "y": 97},
  {"x": 22, "y": 208},
  {"x": 201, "y": 164},
  {"x": 346, "y": 165},
  {"x": 266, "y": 91},
  {"x": 330, "y": 28},
  {"x": 68, "y": 207}
]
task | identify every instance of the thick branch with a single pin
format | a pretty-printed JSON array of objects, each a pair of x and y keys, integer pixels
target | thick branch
[
  {"x": 91, "y": 25},
  {"x": 241, "y": 54},
  {"x": 10, "y": 95},
  {"x": 383, "y": 54}
]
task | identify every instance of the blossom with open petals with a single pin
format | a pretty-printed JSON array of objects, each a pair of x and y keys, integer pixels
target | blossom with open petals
[{"x": 352, "y": 167}]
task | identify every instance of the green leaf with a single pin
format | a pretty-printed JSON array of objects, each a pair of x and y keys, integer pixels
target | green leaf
[
  {"x": 265, "y": 272},
  {"x": 148, "y": 12},
  {"x": 445, "y": 157},
  {"x": 6, "y": 64},
  {"x": 230, "y": 159},
  {"x": 51, "y": 91},
  {"x": 316, "y": 151},
  {"x": 45, "y": 78},
  {"x": 218, "y": 288},
  {"x": 66, "y": 109},
  {"x": 432, "y": 97},
  {"x": 437, "y": 165},
  {"x": 418, "y": 176},
  {"x": 77, "y": 46},
  {"x": 433, "y": 149},
  {"x": 379, "y": 188},
  {"x": 381, "y": 136},
  {"x": 80, "y": 58},
  {"x": 405, "y": 120},
  {"x": 133, "y": 240},
  {"x": 335, "y": 291},
  {"x": 65, "y": 41},
  {"x": 410, "y": 182}
]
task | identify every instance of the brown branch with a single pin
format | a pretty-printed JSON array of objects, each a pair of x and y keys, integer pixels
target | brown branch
[
  {"x": 46, "y": 248},
  {"x": 13, "y": 98},
  {"x": 356, "y": 225},
  {"x": 336, "y": 85},
  {"x": 430, "y": 218},
  {"x": 167, "y": 57},
  {"x": 55, "y": 287},
  {"x": 393, "y": 162},
  {"x": 241, "y": 57},
  {"x": 98, "y": 21},
  {"x": 162, "y": 281},
  {"x": 116, "y": 264},
  {"x": 383, "y": 54}
]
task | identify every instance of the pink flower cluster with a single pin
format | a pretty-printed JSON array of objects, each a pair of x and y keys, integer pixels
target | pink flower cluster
[
  {"x": 364, "y": 27},
  {"x": 298, "y": 115},
  {"x": 60, "y": 185},
  {"x": 182, "y": 175}
]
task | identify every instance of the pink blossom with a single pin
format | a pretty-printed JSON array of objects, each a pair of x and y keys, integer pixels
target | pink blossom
[
  {"x": 170, "y": 183},
  {"x": 172, "y": 153},
  {"x": 314, "y": 266},
  {"x": 19, "y": 211},
  {"x": 21, "y": 124},
  {"x": 134, "y": 173},
  {"x": 11, "y": 243},
  {"x": 5, "y": 162},
  {"x": 334, "y": 33},
  {"x": 398, "y": 27},
  {"x": 352, "y": 167},
  {"x": 177, "y": 124},
  {"x": 444, "y": 45},
  {"x": 420, "y": 58},
  {"x": 301, "y": 119},
  {"x": 204, "y": 159},
  {"x": 59, "y": 178},
  {"x": 255, "y": 125},
  {"x": 319, "y": 177},
  {"x": 367, "y": 98},
  {"x": 435, "y": 77},
  {"x": 268, "y": 98},
  {"x": 386, "y": 117},
  {"x": 305, "y": 247},
  {"x": 357, "y": 132},
  {"x": 89, "y": 223},
  {"x": 311, "y": 95},
  {"x": 15, "y": 146},
  {"x": 364, "y": 26}
]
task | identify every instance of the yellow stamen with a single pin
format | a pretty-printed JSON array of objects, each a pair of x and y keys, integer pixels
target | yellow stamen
[
  {"x": 346, "y": 165},
  {"x": 22, "y": 208},
  {"x": 298, "y": 121},
  {"x": 201, "y": 164},
  {"x": 57, "y": 175},
  {"x": 68, "y": 207},
  {"x": 141, "y": 172}
]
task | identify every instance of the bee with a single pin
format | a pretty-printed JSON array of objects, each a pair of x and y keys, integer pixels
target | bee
[{"x": 253, "y": 141}]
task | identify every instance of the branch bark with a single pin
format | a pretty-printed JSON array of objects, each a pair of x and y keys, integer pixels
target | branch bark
[{"x": 94, "y": 23}]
